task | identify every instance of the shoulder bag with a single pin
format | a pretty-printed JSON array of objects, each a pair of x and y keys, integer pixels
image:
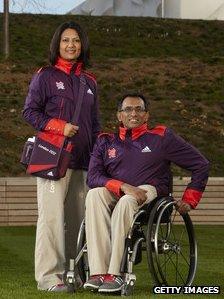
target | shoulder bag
[{"x": 48, "y": 155}]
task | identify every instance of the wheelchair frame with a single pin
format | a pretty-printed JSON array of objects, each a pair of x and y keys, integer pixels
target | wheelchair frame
[{"x": 169, "y": 242}]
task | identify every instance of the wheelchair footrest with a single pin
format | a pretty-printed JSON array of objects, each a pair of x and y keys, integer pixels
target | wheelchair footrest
[
  {"x": 72, "y": 278},
  {"x": 129, "y": 282}
]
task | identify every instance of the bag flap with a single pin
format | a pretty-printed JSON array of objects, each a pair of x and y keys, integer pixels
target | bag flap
[
  {"x": 46, "y": 152},
  {"x": 57, "y": 140}
]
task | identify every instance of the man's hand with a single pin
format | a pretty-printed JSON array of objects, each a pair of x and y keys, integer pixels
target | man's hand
[
  {"x": 182, "y": 207},
  {"x": 70, "y": 130},
  {"x": 138, "y": 193}
]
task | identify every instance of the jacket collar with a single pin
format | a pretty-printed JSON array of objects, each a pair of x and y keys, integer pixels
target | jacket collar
[
  {"x": 134, "y": 133},
  {"x": 68, "y": 67}
]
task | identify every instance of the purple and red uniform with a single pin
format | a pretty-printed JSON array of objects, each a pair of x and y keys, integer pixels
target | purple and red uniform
[
  {"x": 51, "y": 103},
  {"x": 141, "y": 156}
]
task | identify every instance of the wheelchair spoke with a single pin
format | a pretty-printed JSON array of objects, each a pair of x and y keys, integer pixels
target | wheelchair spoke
[
  {"x": 185, "y": 259},
  {"x": 182, "y": 233},
  {"x": 175, "y": 265},
  {"x": 169, "y": 258},
  {"x": 179, "y": 242},
  {"x": 174, "y": 216},
  {"x": 160, "y": 233},
  {"x": 177, "y": 271},
  {"x": 163, "y": 231},
  {"x": 172, "y": 231}
]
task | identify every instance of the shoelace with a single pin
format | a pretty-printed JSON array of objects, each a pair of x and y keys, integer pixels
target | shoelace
[
  {"x": 101, "y": 277},
  {"x": 110, "y": 278}
]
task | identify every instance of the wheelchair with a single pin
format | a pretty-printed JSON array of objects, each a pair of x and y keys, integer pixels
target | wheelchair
[{"x": 166, "y": 235}]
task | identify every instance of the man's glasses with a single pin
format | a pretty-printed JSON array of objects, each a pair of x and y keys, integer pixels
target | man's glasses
[{"x": 130, "y": 109}]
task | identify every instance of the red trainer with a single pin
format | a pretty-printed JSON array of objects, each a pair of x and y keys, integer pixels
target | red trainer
[
  {"x": 58, "y": 288},
  {"x": 112, "y": 283},
  {"x": 94, "y": 282}
]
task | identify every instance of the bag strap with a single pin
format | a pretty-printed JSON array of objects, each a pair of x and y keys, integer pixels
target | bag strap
[{"x": 82, "y": 85}]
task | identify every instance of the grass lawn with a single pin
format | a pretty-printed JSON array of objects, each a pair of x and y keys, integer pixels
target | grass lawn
[{"x": 17, "y": 267}]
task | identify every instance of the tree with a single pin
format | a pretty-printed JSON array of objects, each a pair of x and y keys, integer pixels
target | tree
[
  {"x": 39, "y": 5},
  {"x": 6, "y": 29}
]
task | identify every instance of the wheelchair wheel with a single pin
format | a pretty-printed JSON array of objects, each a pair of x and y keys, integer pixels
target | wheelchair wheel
[
  {"x": 150, "y": 247},
  {"x": 82, "y": 265},
  {"x": 171, "y": 245}
]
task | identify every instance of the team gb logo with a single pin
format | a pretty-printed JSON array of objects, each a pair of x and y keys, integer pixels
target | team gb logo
[
  {"x": 111, "y": 153},
  {"x": 60, "y": 85}
]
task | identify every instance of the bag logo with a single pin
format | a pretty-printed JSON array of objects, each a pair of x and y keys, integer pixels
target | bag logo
[{"x": 60, "y": 85}]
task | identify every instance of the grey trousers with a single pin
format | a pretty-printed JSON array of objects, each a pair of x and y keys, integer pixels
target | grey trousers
[
  {"x": 107, "y": 224},
  {"x": 50, "y": 232}
]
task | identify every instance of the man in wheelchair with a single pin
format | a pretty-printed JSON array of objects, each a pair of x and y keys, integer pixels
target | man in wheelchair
[{"x": 127, "y": 170}]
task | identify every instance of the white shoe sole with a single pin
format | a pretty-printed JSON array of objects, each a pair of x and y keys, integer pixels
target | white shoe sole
[
  {"x": 109, "y": 290},
  {"x": 90, "y": 287}
]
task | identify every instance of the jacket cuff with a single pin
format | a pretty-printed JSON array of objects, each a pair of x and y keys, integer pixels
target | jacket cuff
[
  {"x": 55, "y": 126},
  {"x": 192, "y": 197},
  {"x": 114, "y": 186}
]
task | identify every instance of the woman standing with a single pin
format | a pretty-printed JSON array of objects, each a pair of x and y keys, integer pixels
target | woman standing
[{"x": 50, "y": 106}]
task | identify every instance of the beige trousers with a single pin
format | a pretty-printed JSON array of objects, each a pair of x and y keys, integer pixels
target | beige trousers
[
  {"x": 50, "y": 233},
  {"x": 107, "y": 224}
]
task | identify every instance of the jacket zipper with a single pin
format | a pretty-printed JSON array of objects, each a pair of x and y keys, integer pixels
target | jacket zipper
[{"x": 61, "y": 106}]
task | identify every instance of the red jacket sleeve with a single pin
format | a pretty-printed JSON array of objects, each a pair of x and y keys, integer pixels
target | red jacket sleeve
[
  {"x": 183, "y": 154},
  {"x": 192, "y": 197},
  {"x": 56, "y": 126}
]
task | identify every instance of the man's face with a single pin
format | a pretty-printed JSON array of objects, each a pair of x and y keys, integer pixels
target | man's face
[{"x": 133, "y": 113}]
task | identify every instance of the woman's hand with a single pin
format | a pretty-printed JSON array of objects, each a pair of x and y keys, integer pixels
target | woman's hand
[
  {"x": 70, "y": 130},
  {"x": 138, "y": 193}
]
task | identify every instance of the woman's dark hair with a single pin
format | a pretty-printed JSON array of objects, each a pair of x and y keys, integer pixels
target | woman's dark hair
[
  {"x": 132, "y": 95},
  {"x": 55, "y": 43}
]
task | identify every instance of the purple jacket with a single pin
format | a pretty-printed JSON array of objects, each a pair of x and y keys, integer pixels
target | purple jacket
[
  {"x": 141, "y": 156},
  {"x": 51, "y": 102}
]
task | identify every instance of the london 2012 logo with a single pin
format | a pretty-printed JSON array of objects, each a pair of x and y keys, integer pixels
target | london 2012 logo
[
  {"x": 50, "y": 151},
  {"x": 60, "y": 85}
]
